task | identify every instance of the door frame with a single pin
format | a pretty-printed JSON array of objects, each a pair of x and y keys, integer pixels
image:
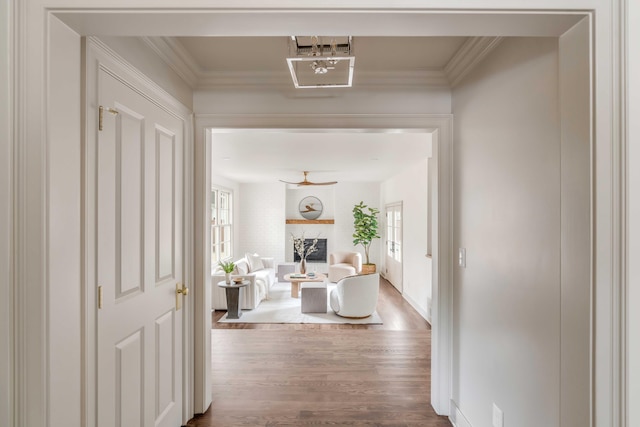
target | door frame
[
  {"x": 439, "y": 125},
  {"x": 100, "y": 57},
  {"x": 26, "y": 44}
]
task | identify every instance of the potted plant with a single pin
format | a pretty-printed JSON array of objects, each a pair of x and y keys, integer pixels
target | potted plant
[
  {"x": 227, "y": 267},
  {"x": 365, "y": 224}
]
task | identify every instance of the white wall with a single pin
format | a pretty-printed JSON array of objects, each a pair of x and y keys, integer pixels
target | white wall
[
  {"x": 261, "y": 220},
  {"x": 507, "y": 214},
  {"x": 410, "y": 188},
  {"x": 349, "y": 194},
  {"x": 633, "y": 214},
  {"x": 351, "y": 100},
  {"x": 141, "y": 56},
  {"x": 575, "y": 220}
]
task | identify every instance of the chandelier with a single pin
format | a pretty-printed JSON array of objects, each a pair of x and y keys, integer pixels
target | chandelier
[{"x": 321, "y": 62}]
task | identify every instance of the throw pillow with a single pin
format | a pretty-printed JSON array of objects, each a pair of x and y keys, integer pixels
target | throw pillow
[
  {"x": 242, "y": 268},
  {"x": 255, "y": 263}
]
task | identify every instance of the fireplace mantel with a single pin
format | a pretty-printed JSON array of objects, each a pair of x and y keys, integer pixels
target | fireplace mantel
[{"x": 309, "y": 221}]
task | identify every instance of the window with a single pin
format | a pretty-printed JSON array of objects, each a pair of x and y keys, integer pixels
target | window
[{"x": 221, "y": 225}]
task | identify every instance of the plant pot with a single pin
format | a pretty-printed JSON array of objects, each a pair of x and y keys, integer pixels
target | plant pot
[
  {"x": 368, "y": 268},
  {"x": 227, "y": 278}
]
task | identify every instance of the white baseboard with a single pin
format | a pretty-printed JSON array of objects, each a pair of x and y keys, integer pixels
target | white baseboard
[
  {"x": 457, "y": 418},
  {"x": 421, "y": 311}
]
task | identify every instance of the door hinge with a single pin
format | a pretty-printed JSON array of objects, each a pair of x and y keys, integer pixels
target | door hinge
[
  {"x": 99, "y": 297},
  {"x": 101, "y": 114}
]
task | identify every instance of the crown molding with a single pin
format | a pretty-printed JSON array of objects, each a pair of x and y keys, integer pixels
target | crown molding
[
  {"x": 175, "y": 56},
  {"x": 402, "y": 79},
  {"x": 470, "y": 54},
  {"x": 243, "y": 79},
  {"x": 171, "y": 51}
]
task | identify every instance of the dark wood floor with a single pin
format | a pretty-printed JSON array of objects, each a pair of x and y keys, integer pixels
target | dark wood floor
[{"x": 331, "y": 375}]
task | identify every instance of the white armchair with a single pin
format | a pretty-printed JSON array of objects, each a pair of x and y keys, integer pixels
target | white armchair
[
  {"x": 343, "y": 264},
  {"x": 356, "y": 296}
]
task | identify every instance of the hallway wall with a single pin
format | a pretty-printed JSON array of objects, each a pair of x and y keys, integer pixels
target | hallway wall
[
  {"x": 509, "y": 316},
  {"x": 409, "y": 187},
  {"x": 352, "y": 101}
]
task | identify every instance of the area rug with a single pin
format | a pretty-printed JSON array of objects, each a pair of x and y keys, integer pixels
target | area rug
[{"x": 281, "y": 308}]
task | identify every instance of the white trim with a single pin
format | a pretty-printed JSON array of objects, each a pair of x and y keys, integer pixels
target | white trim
[
  {"x": 457, "y": 418},
  {"x": 470, "y": 54},
  {"x": 99, "y": 56},
  {"x": 441, "y": 125},
  {"x": 7, "y": 257},
  {"x": 202, "y": 272},
  {"x": 171, "y": 51},
  {"x": 416, "y": 307}
]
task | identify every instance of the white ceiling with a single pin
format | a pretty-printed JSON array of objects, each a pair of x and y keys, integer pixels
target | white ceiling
[
  {"x": 359, "y": 156},
  {"x": 223, "y": 54}
]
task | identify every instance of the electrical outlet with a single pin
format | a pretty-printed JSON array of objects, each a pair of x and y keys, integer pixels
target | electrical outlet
[
  {"x": 462, "y": 257},
  {"x": 498, "y": 417}
]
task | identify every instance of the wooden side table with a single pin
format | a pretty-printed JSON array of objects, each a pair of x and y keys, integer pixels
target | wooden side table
[{"x": 234, "y": 295}]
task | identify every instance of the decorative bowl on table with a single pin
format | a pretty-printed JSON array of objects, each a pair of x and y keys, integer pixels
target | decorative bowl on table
[{"x": 237, "y": 280}]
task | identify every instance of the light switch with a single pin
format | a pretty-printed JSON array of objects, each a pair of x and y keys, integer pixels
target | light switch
[{"x": 462, "y": 257}]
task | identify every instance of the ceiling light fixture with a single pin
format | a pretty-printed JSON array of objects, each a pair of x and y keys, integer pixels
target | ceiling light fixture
[{"x": 315, "y": 64}]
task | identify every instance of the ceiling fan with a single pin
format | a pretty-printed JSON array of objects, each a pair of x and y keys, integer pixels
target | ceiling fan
[{"x": 307, "y": 182}]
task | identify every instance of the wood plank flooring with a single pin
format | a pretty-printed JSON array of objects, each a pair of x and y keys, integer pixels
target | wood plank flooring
[{"x": 324, "y": 375}]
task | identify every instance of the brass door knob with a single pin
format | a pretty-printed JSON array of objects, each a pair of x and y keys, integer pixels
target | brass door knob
[{"x": 181, "y": 290}]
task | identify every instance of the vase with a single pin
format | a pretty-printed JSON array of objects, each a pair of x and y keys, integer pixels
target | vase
[
  {"x": 227, "y": 278},
  {"x": 303, "y": 266}
]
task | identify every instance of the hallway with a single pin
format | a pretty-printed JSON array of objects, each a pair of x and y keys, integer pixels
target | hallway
[{"x": 302, "y": 375}]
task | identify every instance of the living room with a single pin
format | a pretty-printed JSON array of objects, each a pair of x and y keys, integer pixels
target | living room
[{"x": 375, "y": 167}]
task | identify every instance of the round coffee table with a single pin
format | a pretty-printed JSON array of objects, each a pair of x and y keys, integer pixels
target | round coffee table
[
  {"x": 232, "y": 291},
  {"x": 295, "y": 282}
]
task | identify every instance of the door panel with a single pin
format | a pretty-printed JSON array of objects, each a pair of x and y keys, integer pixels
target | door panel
[
  {"x": 129, "y": 380},
  {"x": 139, "y": 260},
  {"x": 165, "y": 184},
  {"x": 129, "y": 175},
  {"x": 165, "y": 363}
]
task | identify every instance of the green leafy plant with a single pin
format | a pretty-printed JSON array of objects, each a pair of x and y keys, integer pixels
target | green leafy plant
[
  {"x": 227, "y": 266},
  {"x": 365, "y": 224}
]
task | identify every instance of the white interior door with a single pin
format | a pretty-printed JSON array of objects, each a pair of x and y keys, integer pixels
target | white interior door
[
  {"x": 393, "y": 242},
  {"x": 139, "y": 260}
]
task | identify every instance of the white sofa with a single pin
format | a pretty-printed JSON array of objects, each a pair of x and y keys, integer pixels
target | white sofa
[{"x": 261, "y": 278}]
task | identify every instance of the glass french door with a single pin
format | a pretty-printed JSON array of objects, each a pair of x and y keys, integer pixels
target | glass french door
[{"x": 393, "y": 242}]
